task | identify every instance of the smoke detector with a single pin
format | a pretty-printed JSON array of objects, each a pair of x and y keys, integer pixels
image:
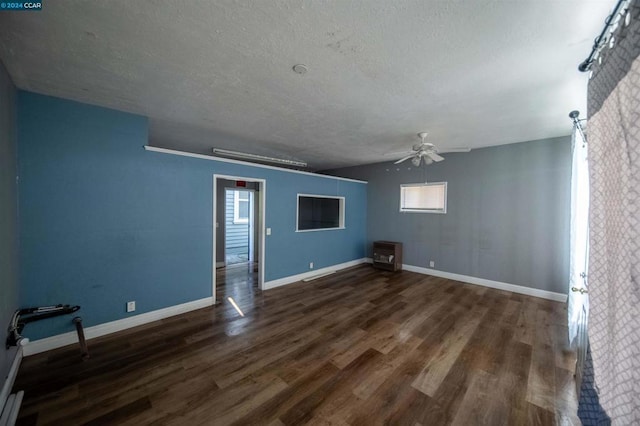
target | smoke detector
[{"x": 300, "y": 69}]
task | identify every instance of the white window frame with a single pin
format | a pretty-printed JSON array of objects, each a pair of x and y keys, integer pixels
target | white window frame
[
  {"x": 340, "y": 219},
  {"x": 437, "y": 211},
  {"x": 236, "y": 206}
]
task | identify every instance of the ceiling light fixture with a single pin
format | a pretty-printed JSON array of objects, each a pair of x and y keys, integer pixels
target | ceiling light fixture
[
  {"x": 256, "y": 157},
  {"x": 300, "y": 69}
]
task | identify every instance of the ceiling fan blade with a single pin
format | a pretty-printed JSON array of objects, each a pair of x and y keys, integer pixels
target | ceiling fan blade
[
  {"x": 444, "y": 151},
  {"x": 404, "y": 159},
  {"x": 397, "y": 153},
  {"x": 435, "y": 157}
]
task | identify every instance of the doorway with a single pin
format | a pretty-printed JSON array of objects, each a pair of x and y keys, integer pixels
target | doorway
[{"x": 238, "y": 236}]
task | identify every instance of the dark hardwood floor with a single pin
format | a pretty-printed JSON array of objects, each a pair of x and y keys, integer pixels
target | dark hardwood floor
[{"x": 360, "y": 347}]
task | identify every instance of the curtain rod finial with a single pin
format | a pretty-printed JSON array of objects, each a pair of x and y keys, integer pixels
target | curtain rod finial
[{"x": 585, "y": 66}]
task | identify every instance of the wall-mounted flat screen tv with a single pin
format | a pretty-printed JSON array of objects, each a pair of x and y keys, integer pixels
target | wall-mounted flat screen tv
[{"x": 317, "y": 212}]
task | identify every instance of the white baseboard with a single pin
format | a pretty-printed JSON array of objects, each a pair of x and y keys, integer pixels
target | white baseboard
[
  {"x": 11, "y": 409},
  {"x": 544, "y": 294},
  {"x": 220, "y": 264},
  {"x": 10, "y": 379},
  {"x": 299, "y": 277},
  {"x": 54, "y": 342}
]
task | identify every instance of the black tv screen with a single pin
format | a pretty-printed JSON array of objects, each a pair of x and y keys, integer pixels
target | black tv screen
[{"x": 318, "y": 213}]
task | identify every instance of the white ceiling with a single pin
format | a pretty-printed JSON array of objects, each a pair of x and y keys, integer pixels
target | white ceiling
[{"x": 471, "y": 73}]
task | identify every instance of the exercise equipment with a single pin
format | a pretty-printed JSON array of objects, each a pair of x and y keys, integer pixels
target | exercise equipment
[{"x": 22, "y": 317}]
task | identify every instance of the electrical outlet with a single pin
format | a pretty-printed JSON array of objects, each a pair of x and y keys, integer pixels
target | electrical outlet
[
  {"x": 131, "y": 306},
  {"x": 268, "y": 231},
  {"x": 432, "y": 264},
  {"x": 310, "y": 265}
]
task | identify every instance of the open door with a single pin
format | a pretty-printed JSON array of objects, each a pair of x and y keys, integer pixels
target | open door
[{"x": 238, "y": 226}]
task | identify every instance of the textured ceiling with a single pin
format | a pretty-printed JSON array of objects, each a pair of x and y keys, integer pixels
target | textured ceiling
[{"x": 471, "y": 73}]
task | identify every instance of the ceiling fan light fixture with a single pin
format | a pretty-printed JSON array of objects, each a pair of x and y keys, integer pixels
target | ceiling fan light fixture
[{"x": 428, "y": 151}]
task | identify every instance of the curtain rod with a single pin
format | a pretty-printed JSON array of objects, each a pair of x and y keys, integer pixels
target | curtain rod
[{"x": 602, "y": 38}]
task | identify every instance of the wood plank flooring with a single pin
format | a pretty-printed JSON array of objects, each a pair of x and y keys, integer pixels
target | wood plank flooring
[{"x": 360, "y": 347}]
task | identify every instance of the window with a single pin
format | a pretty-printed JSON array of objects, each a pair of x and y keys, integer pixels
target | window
[
  {"x": 424, "y": 197},
  {"x": 318, "y": 212},
  {"x": 240, "y": 206}
]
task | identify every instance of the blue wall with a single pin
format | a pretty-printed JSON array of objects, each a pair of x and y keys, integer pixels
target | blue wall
[{"x": 103, "y": 221}]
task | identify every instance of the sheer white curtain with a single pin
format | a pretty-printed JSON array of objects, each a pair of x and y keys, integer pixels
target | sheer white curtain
[{"x": 579, "y": 234}]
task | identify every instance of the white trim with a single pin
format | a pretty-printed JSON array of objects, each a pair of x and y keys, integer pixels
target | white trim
[
  {"x": 321, "y": 229},
  {"x": 262, "y": 218},
  {"x": 341, "y": 205},
  {"x": 11, "y": 408},
  {"x": 544, "y": 294},
  {"x": 320, "y": 196},
  {"x": 315, "y": 273},
  {"x": 10, "y": 379},
  {"x": 244, "y": 163},
  {"x": 54, "y": 342},
  {"x": 213, "y": 237},
  {"x": 252, "y": 227}
]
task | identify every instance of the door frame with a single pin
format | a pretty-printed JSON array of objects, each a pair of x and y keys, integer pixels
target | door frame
[
  {"x": 252, "y": 225},
  {"x": 262, "y": 189}
]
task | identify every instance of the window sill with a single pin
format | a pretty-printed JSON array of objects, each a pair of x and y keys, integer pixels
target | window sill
[{"x": 423, "y": 211}]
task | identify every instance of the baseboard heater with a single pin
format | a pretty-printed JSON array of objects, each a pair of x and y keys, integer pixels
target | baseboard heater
[{"x": 315, "y": 277}]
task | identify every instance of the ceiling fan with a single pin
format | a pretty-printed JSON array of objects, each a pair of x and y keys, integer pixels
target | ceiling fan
[{"x": 427, "y": 151}]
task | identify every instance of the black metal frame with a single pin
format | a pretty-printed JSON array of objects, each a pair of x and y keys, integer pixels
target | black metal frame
[
  {"x": 22, "y": 317},
  {"x": 597, "y": 43}
]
